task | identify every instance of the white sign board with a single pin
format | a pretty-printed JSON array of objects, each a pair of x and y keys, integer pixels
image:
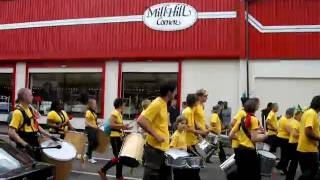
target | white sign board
[{"x": 170, "y": 16}]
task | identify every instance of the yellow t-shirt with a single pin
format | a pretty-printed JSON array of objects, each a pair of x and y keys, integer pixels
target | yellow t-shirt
[
  {"x": 215, "y": 120},
  {"x": 91, "y": 118},
  {"x": 199, "y": 116},
  {"x": 294, "y": 125},
  {"x": 55, "y": 118},
  {"x": 178, "y": 140},
  {"x": 157, "y": 115},
  {"x": 243, "y": 138},
  {"x": 283, "y": 123},
  {"x": 17, "y": 121},
  {"x": 118, "y": 116},
  {"x": 309, "y": 119},
  {"x": 272, "y": 119},
  {"x": 191, "y": 138},
  {"x": 241, "y": 114}
]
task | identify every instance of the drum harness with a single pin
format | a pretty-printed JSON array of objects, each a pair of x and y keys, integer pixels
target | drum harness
[{"x": 63, "y": 119}]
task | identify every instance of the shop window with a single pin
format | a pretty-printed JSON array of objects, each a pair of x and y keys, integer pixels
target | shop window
[
  {"x": 6, "y": 84},
  {"x": 139, "y": 86},
  {"x": 72, "y": 90}
]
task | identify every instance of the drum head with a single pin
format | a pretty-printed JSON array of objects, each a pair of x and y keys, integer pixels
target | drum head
[
  {"x": 66, "y": 153},
  {"x": 267, "y": 154}
]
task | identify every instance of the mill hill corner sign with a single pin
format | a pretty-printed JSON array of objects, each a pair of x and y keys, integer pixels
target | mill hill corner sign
[{"x": 170, "y": 16}]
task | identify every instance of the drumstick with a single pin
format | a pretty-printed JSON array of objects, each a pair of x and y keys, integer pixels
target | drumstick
[{"x": 51, "y": 147}]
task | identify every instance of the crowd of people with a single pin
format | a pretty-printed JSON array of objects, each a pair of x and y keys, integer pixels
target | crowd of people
[{"x": 296, "y": 133}]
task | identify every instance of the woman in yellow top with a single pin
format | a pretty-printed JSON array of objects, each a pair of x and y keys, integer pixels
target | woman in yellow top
[
  {"x": 91, "y": 128},
  {"x": 191, "y": 131},
  {"x": 249, "y": 132},
  {"x": 308, "y": 142},
  {"x": 272, "y": 127},
  {"x": 293, "y": 144},
  {"x": 236, "y": 120},
  {"x": 283, "y": 140},
  {"x": 216, "y": 127},
  {"x": 117, "y": 128},
  {"x": 58, "y": 120}
]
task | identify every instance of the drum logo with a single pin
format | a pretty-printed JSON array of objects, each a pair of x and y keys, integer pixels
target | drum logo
[{"x": 170, "y": 16}]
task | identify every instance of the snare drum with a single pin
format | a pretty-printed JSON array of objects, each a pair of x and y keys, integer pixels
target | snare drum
[
  {"x": 103, "y": 141},
  {"x": 78, "y": 140},
  {"x": 204, "y": 148},
  {"x": 262, "y": 146},
  {"x": 195, "y": 162},
  {"x": 132, "y": 150},
  {"x": 176, "y": 158},
  {"x": 267, "y": 162},
  {"x": 225, "y": 140},
  {"x": 61, "y": 158},
  {"x": 229, "y": 166},
  {"x": 212, "y": 139}
]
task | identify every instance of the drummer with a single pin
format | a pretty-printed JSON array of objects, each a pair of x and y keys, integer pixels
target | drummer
[
  {"x": 216, "y": 127},
  {"x": 308, "y": 142},
  {"x": 236, "y": 120},
  {"x": 199, "y": 115},
  {"x": 293, "y": 143},
  {"x": 272, "y": 127},
  {"x": 116, "y": 137},
  {"x": 178, "y": 141},
  {"x": 283, "y": 140},
  {"x": 192, "y": 132},
  {"x": 58, "y": 120},
  {"x": 249, "y": 132},
  {"x": 155, "y": 121},
  {"x": 91, "y": 128},
  {"x": 24, "y": 128}
]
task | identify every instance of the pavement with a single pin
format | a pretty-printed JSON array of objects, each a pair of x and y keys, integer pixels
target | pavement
[{"x": 88, "y": 171}]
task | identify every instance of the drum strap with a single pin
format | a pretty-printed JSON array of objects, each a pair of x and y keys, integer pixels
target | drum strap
[
  {"x": 94, "y": 115},
  {"x": 245, "y": 130},
  {"x": 61, "y": 115}
]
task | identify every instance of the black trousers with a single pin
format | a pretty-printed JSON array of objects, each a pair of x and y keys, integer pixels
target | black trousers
[
  {"x": 309, "y": 166},
  {"x": 32, "y": 139},
  {"x": 92, "y": 140},
  {"x": 248, "y": 164},
  {"x": 284, "y": 159},
  {"x": 293, "y": 157},
  {"x": 272, "y": 140},
  {"x": 154, "y": 164},
  {"x": 116, "y": 143}
]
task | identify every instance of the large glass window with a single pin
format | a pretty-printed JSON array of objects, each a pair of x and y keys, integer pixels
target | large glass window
[
  {"x": 139, "y": 86},
  {"x": 6, "y": 84},
  {"x": 72, "y": 90}
]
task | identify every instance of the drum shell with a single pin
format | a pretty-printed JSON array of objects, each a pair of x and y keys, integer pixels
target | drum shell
[
  {"x": 63, "y": 168},
  {"x": 213, "y": 139},
  {"x": 78, "y": 139},
  {"x": 195, "y": 162},
  {"x": 262, "y": 146},
  {"x": 229, "y": 166},
  {"x": 204, "y": 147},
  {"x": 180, "y": 162},
  {"x": 103, "y": 141},
  {"x": 266, "y": 164},
  {"x": 132, "y": 150}
]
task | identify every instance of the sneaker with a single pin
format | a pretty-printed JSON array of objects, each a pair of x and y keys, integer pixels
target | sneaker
[
  {"x": 103, "y": 175},
  {"x": 92, "y": 161}
]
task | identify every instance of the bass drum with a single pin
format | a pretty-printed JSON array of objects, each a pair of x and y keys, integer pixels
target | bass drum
[
  {"x": 132, "y": 150},
  {"x": 78, "y": 139}
]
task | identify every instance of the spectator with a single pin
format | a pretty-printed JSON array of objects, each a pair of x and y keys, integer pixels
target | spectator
[
  {"x": 174, "y": 113},
  {"x": 265, "y": 112},
  {"x": 226, "y": 115}
]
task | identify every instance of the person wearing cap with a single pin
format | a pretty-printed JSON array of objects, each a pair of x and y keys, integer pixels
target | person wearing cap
[{"x": 199, "y": 114}]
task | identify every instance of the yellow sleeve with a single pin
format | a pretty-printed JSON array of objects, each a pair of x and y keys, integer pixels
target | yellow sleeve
[
  {"x": 187, "y": 115},
  {"x": 52, "y": 116},
  {"x": 270, "y": 115},
  {"x": 309, "y": 121},
  {"x": 66, "y": 116},
  {"x": 254, "y": 123},
  {"x": 238, "y": 115},
  {"x": 16, "y": 120},
  {"x": 174, "y": 141},
  {"x": 88, "y": 115},
  {"x": 151, "y": 112}
]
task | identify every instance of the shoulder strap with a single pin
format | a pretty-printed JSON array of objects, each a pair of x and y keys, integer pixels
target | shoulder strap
[
  {"x": 61, "y": 115},
  {"x": 94, "y": 115},
  {"x": 245, "y": 130},
  {"x": 26, "y": 118}
]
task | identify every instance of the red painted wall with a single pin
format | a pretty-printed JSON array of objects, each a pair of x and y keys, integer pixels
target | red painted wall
[
  {"x": 285, "y": 45},
  {"x": 206, "y": 39}
]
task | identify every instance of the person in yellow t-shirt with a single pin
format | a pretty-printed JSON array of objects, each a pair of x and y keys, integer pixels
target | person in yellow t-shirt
[
  {"x": 91, "y": 128},
  {"x": 155, "y": 121},
  {"x": 117, "y": 127},
  {"x": 272, "y": 127},
  {"x": 58, "y": 120},
  {"x": 24, "y": 127},
  {"x": 308, "y": 142},
  {"x": 199, "y": 114},
  {"x": 293, "y": 144},
  {"x": 283, "y": 140},
  {"x": 216, "y": 127},
  {"x": 249, "y": 132},
  {"x": 236, "y": 120},
  {"x": 191, "y": 132}
]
